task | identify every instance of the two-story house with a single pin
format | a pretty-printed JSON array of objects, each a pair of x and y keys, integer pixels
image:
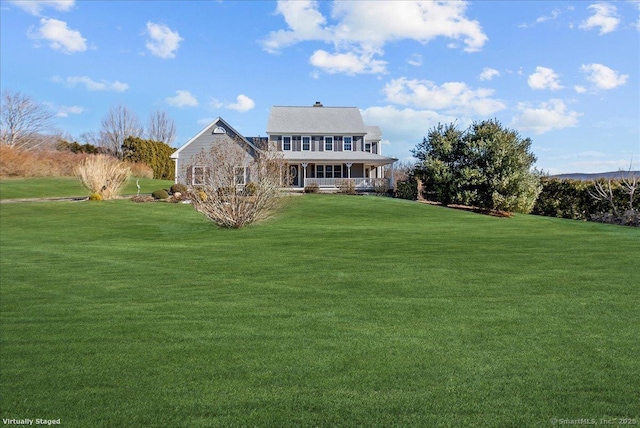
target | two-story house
[
  {"x": 325, "y": 145},
  {"x": 321, "y": 145}
]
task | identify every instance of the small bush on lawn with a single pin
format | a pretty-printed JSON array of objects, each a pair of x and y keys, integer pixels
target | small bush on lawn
[
  {"x": 95, "y": 197},
  {"x": 103, "y": 174},
  {"x": 311, "y": 188},
  {"x": 381, "y": 185},
  {"x": 141, "y": 198},
  {"x": 347, "y": 186},
  {"x": 179, "y": 188},
  {"x": 160, "y": 194}
]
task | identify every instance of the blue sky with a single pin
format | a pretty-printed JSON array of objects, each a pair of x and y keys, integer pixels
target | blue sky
[{"x": 564, "y": 74}]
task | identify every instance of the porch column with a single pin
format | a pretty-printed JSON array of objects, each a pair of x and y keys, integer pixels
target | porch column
[
  {"x": 348, "y": 164},
  {"x": 304, "y": 173}
]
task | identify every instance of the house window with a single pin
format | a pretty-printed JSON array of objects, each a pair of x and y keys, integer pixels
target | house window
[
  {"x": 241, "y": 175},
  {"x": 286, "y": 143},
  {"x": 347, "y": 144},
  {"x": 200, "y": 175},
  {"x": 367, "y": 147},
  {"x": 306, "y": 144},
  {"x": 329, "y": 171},
  {"x": 328, "y": 144}
]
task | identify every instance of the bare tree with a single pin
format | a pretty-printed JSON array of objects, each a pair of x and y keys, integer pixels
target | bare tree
[
  {"x": 630, "y": 182},
  {"x": 604, "y": 191},
  {"x": 237, "y": 184},
  {"x": 161, "y": 128},
  {"x": 117, "y": 125},
  {"x": 23, "y": 120}
]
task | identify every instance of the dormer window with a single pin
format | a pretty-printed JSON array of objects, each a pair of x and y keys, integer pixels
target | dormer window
[
  {"x": 286, "y": 143},
  {"x": 367, "y": 147},
  {"x": 328, "y": 144},
  {"x": 347, "y": 144}
]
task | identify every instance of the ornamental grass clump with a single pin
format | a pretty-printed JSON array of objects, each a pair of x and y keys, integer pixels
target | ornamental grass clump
[{"x": 103, "y": 175}]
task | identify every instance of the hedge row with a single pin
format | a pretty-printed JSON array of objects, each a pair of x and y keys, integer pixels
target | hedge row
[{"x": 573, "y": 199}]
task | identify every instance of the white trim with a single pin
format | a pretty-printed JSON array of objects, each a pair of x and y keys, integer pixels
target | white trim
[
  {"x": 332, "y": 143},
  {"x": 302, "y": 143},
  {"x": 351, "y": 149},
  {"x": 204, "y": 175},
  {"x": 290, "y": 143}
]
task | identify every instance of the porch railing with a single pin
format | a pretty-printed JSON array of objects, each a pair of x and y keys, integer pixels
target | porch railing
[{"x": 358, "y": 183}]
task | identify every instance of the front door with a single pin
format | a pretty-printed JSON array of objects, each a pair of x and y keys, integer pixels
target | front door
[{"x": 294, "y": 176}]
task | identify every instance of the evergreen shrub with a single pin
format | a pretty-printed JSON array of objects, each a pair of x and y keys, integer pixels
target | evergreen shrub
[{"x": 160, "y": 194}]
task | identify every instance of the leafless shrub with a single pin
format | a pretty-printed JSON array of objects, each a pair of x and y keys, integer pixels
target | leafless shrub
[
  {"x": 630, "y": 182},
  {"x": 347, "y": 186},
  {"x": 380, "y": 185},
  {"x": 604, "y": 191},
  {"x": 241, "y": 185},
  {"x": 103, "y": 174}
]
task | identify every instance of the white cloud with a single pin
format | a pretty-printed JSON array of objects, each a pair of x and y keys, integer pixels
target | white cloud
[
  {"x": 243, "y": 103},
  {"x": 580, "y": 89},
  {"x": 603, "y": 77},
  {"x": 605, "y": 17},
  {"x": 415, "y": 60},
  {"x": 362, "y": 28},
  {"x": 488, "y": 73},
  {"x": 60, "y": 37},
  {"x": 34, "y": 7},
  {"x": 162, "y": 42},
  {"x": 183, "y": 98},
  {"x": 453, "y": 97},
  {"x": 348, "y": 63},
  {"x": 305, "y": 22},
  {"x": 544, "y": 78},
  {"x": 92, "y": 85},
  {"x": 548, "y": 116},
  {"x": 65, "y": 111}
]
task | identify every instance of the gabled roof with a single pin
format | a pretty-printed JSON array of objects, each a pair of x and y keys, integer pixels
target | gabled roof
[
  {"x": 315, "y": 120},
  {"x": 373, "y": 133},
  {"x": 218, "y": 122}
]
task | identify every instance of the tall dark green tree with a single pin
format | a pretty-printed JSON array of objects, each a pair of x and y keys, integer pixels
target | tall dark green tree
[
  {"x": 155, "y": 154},
  {"x": 487, "y": 166}
]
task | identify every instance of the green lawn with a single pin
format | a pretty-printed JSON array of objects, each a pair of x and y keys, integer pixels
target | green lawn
[
  {"x": 51, "y": 187},
  {"x": 341, "y": 311}
]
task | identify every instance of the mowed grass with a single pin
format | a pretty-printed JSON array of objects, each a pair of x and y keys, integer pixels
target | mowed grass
[
  {"x": 341, "y": 311},
  {"x": 54, "y": 187}
]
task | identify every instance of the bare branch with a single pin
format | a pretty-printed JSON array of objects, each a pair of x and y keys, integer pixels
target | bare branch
[
  {"x": 117, "y": 125},
  {"x": 161, "y": 128},
  {"x": 239, "y": 185},
  {"x": 23, "y": 120}
]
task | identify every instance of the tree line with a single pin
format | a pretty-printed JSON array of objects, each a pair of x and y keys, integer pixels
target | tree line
[{"x": 29, "y": 124}]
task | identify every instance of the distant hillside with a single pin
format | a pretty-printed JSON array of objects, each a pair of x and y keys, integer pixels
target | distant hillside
[{"x": 595, "y": 176}]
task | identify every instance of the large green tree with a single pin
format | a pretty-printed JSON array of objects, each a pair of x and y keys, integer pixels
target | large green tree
[
  {"x": 156, "y": 154},
  {"x": 486, "y": 165}
]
